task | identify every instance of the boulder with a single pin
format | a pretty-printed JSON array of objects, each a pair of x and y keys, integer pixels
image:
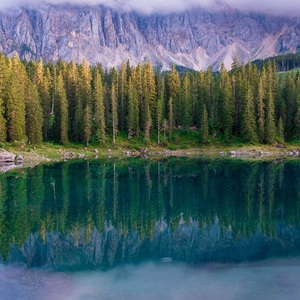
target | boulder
[
  {"x": 19, "y": 159},
  {"x": 7, "y": 157}
]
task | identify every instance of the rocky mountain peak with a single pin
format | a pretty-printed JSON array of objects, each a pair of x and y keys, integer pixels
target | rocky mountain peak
[{"x": 194, "y": 39}]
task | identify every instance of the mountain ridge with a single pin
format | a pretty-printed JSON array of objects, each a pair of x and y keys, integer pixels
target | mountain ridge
[{"x": 194, "y": 39}]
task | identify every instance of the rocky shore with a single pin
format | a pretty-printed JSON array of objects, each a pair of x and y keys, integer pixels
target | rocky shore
[{"x": 17, "y": 159}]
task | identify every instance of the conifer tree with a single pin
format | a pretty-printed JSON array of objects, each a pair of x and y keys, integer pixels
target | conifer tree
[
  {"x": 174, "y": 93},
  {"x": 2, "y": 85},
  {"x": 45, "y": 91},
  {"x": 270, "y": 127},
  {"x": 280, "y": 130},
  {"x": 34, "y": 114},
  {"x": 185, "y": 109},
  {"x": 248, "y": 125},
  {"x": 171, "y": 116},
  {"x": 159, "y": 115},
  {"x": 204, "y": 125},
  {"x": 114, "y": 113},
  {"x": 98, "y": 106},
  {"x": 226, "y": 106},
  {"x": 62, "y": 110},
  {"x": 209, "y": 96},
  {"x": 85, "y": 98},
  {"x": 87, "y": 124},
  {"x": 148, "y": 124},
  {"x": 297, "y": 119},
  {"x": 15, "y": 103},
  {"x": 75, "y": 104},
  {"x": 261, "y": 111},
  {"x": 122, "y": 97},
  {"x": 133, "y": 110}
]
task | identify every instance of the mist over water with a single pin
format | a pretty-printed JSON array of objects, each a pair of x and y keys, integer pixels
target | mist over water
[{"x": 271, "y": 279}]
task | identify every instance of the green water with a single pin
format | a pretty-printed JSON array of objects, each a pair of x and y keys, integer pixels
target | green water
[{"x": 100, "y": 214}]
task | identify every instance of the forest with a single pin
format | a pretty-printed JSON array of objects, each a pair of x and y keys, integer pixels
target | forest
[{"x": 78, "y": 103}]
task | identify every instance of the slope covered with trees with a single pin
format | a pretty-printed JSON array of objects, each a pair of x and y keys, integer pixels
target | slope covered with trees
[{"x": 68, "y": 102}]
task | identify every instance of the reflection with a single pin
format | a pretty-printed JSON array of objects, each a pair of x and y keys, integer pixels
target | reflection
[{"x": 98, "y": 214}]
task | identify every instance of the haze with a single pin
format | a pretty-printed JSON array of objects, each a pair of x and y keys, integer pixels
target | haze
[{"x": 290, "y": 7}]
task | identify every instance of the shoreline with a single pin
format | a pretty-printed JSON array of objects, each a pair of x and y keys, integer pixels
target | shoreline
[{"x": 36, "y": 155}]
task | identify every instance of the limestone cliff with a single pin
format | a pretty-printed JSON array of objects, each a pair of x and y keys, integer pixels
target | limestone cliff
[{"x": 194, "y": 39}]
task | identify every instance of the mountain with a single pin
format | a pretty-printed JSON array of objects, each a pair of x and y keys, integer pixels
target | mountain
[{"x": 193, "y": 39}]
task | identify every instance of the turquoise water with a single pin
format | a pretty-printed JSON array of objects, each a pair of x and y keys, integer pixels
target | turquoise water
[{"x": 136, "y": 229}]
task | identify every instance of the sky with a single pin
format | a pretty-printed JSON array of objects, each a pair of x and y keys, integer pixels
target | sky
[{"x": 167, "y": 6}]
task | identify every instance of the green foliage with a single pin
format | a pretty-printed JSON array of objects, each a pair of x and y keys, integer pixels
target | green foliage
[{"x": 82, "y": 104}]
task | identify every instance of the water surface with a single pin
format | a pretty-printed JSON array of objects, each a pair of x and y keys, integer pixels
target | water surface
[{"x": 136, "y": 229}]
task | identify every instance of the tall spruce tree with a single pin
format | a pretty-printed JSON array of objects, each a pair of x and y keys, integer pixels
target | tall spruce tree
[
  {"x": 98, "y": 108},
  {"x": 34, "y": 114},
  {"x": 226, "y": 105},
  {"x": 261, "y": 110},
  {"x": 133, "y": 110},
  {"x": 87, "y": 124},
  {"x": 174, "y": 93},
  {"x": 186, "y": 101},
  {"x": 248, "y": 123},
  {"x": 2, "y": 86},
  {"x": 62, "y": 110},
  {"x": 114, "y": 112},
  {"x": 204, "y": 130},
  {"x": 15, "y": 103},
  {"x": 270, "y": 127}
]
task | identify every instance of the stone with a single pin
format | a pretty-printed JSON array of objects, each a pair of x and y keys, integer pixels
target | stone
[
  {"x": 232, "y": 153},
  {"x": 6, "y": 157},
  {"x": 195, "y": 38},
  {"x": 19, "y": 159}
]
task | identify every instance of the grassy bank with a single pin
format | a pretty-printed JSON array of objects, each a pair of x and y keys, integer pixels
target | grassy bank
[{"x": 179, "y": 145}]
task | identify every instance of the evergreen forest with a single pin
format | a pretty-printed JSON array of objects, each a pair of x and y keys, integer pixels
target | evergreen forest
[{"x": 78, "y": 103}]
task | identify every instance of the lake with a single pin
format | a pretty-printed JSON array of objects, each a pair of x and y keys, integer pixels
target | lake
[{"x": 177, "y": 228}]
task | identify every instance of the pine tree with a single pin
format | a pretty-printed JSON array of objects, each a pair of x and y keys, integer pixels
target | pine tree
[
  {"x": 62, "y": 110},
  {"x": 133, "y": 110},
  {"x": 34, "y": 114},
  {"x": 149, "y": 98},
  {"x": 46, "y": 90},
  {"x": 174, "y": 93},
  {"x": 85, "y": 98},
  {"x": 98, "y": 106},
  {"x": 261, "y": 111},
  {"x": 204, "y": 125},
  {"x": 171, "y": 116},
  {"x": 270, "y": 128},
  {"x": 185, "y": 109},
  {"x": 148, "y": 124},
  {"x": 2, "y": 86},
  {"x": 87, "y": 124},
  {"x": 226, "y": 106},
  {"x": 15, "y": 103},
  {"x": 114, "y": 113},
  {"x": 159, "y": 115},
  {"x": 75, "y": 105},
  {"x": 248, "y": 125},
  {"x": 297, "y": 119},
  {"x": 280, "y": 130},
  {"x": 122, "y": 95}
]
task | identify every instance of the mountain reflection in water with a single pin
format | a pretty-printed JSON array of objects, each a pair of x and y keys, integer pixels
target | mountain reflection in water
[{"x": 100, "y": 214}]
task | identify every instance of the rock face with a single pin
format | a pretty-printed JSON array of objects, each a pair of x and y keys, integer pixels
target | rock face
[{"x": 194, "y": 39}]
